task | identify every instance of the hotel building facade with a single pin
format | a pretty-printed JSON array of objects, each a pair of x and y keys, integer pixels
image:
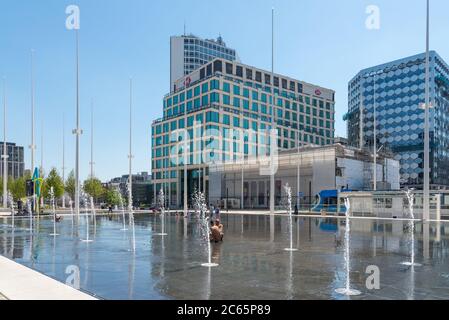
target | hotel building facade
[
  {"x": 397, "y": 91},
  {"x": 224, "y": 110}
]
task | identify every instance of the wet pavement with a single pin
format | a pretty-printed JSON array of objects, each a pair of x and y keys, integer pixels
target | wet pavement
[{"x": 252, "y": 261}]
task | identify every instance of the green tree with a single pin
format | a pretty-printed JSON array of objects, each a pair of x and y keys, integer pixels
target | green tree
[
  {"x": 17, "y": 188},
  {"x": 93, "y": 188},
  {"x": 112, "y": 197},
  {"x": 53, "y": 180},
  {"x": 70, "y": 185}
]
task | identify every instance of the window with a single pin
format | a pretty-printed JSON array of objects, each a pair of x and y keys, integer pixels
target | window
[
  {"x": 189, "y": 94},
  {"x": 226, "y": 87},
  {"x": 212, "y": 116},
  {"x": 197, "y": 103},
  {"x": 255, "y": 107},
  {"x": 284, "y": 83},
  {"x": 218, "y": 66},
  {"x": 236, "y": 90},
  {"x": 246, "y": 93},
  {"x": 236, "y": 122},
  {"x": 249, "y": 74},
  {"x": 205, "y": 87},
  {"x": 267, "y": 79},
  {"x": 214, "y": 97},
  {"x": 245, "y": 104},
  {"x": 236, "y": 102},
  {"x": 196, "y": 91},
  {"x": 181, "y": 123},
  {"x": 226, "y": 119},
  {"x": 209, "y": 69},
  {"x": 276, "y": 81},
  {"x": 239, "y": 71},
  {"x": 190, "y": 121},
  {"x": 255, "y": 95},
  {"x": 214, "y": 84},
  {"x": 228, "y": 68},
  {"x": 292, "y": 86},
  {"x": 258, "y": 76},
  {"x": 202, "y": 73},
  {"x": 226, "y": 99},
  {"x": 205, "y": 100}
]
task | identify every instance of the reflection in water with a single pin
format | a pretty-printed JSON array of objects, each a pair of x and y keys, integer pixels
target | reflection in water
[{"x": 251, "y": 264}]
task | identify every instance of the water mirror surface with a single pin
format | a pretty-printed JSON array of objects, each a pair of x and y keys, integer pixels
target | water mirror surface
[{"x": 252, "y": 261}]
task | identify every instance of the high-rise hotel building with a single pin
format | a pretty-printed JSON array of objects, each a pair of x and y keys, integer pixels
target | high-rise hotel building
[
  {"x": 188, "y": 53},
  {"x": 396, "y": 91},
  {"x": 224, "y": 96}
]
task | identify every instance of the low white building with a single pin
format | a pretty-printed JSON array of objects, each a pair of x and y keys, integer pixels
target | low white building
[{"x": 333, "y": 167}]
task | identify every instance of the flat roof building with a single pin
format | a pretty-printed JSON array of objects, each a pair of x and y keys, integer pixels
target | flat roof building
[
  {"x": 225, "y": 111},
  {"x": 16, "y": 162}
]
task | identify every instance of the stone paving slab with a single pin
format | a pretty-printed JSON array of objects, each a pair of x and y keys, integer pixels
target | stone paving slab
[{"x": 18, "y": 282}]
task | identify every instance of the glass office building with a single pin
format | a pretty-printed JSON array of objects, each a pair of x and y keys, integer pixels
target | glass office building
[
  {"x": 188, "y": 53},
  {"x": 220, "y": 101},
  {"x": 15, "y": 162},
  {"x": 397, "y": 90}
]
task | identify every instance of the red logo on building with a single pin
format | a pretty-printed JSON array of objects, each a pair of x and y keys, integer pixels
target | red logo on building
[
  {"x": 318, "y": 92},
  {"x": 187, "y": 81}
]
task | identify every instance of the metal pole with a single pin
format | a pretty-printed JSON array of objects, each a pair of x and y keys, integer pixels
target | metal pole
[
  {"x": 63, "y": 157},
  {"x": 5, "y": 153},
  {"x": 426, "y": 202},
  {"x": 375, "y": 138},
  {"x": 273, "y": 122},
  {"x": 92, "y": 163},
  {"x": 33, "y": 145},
  {"x": 130, "y": 141},
  {"x": 298, "y": 182},
  {"x": 77, "y": 132}
]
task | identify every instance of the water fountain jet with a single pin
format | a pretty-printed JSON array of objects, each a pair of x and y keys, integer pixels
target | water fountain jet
[
  {"x": 53, "y": 210},
  {"x": 161, "y": 202},
  {"x": 288, "y": 191},
  {"x": 347, "y": 291},
  {"x": 411, "y": 229},
  {"x": 200, "y": 205}
]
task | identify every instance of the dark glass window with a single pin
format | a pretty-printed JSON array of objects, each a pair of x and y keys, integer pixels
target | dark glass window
[
  {"x": 249, "y": 74},
  {"x": 239, "y": 72},
  {"x": 276, "y": 81},
  {"x": 267, "y": 79},
  {"x": 300, "y": 87},
  {"x": 202, "y": 73},
  {"x": 284, "y": 83},
  {"x": 292, "y": 86},
  {"x": 228, "y": 68},
  {"x": 209, "y": 69},
  {"x": 218, "y": 66},
  {"x": 258, "y": 76}
]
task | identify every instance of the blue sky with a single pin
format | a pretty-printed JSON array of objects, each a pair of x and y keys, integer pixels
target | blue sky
[{"x": 324, "y": 42}]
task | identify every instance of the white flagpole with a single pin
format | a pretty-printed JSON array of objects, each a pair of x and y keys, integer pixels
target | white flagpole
[
  {"x": 426, "y": 202},
  {"x": 5, "y": 150}
]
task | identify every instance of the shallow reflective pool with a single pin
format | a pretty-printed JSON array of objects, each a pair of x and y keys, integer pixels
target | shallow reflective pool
[{"x": 252, "y": 261}]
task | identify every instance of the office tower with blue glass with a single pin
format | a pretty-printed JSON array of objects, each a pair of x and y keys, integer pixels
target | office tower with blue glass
[
  {"x": 392, "y": 96},
  {"x": 222, "y": 97},
  {"x": 189, "y": 52}
]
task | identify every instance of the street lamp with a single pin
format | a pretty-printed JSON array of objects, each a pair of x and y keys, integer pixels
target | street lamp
[{"x": 426, "y": 202}]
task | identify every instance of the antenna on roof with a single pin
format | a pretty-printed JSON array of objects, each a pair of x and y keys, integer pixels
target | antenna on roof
[{"x": 184, "y": 28}]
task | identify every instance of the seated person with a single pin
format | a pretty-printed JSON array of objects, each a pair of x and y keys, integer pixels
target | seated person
[{"x": 217, "y": 232}]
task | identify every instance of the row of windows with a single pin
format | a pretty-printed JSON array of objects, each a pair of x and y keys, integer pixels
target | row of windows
[{"x": 250, "y": 74}]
